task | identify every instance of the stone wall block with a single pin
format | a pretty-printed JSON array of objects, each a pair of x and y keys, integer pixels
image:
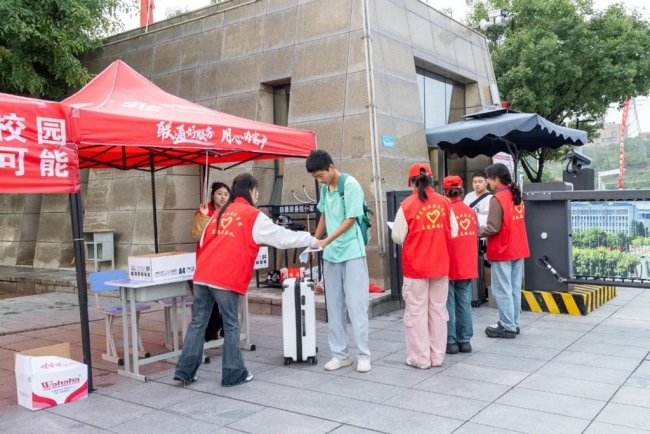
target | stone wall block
[
  {"x": 323, "y": 18},
  {"x": 320, "y": 59},
  {"x": 319, "y": 99}
]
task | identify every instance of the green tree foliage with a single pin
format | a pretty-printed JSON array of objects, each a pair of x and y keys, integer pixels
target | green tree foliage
[
  {"x": 603, "y": 262},
  {"x": 41, "y": 42},
  {"x": 566, "y": 61},
  {"x": 175, "y": 12}
]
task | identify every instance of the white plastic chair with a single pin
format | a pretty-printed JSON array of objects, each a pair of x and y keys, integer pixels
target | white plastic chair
[{"x": 98, "y": 286}]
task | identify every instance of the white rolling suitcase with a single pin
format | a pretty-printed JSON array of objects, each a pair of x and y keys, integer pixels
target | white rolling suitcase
[{"x": 299, "y": 321}]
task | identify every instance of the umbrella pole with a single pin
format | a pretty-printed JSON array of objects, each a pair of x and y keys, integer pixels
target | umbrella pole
[
  {"x": 82, "y": 289},
  {"x": 153, "y": 201}
]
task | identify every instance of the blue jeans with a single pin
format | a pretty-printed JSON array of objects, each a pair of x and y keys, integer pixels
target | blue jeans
[
  {"x": 506, "y": 289},
  {"x": 459, "y": 305},
  {"x": 346, "y": 285},
  {"x": 233, "y": 370}
]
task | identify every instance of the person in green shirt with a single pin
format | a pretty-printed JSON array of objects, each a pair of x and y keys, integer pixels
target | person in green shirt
[{"x": 346, "y": 270}]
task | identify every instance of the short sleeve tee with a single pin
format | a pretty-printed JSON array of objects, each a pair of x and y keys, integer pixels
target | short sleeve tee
[
  {"x": 350, "y": 244},
  {"x": 482, "y": 207}
]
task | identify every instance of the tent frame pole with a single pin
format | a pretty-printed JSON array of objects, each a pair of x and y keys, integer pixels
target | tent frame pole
[
  {"x": 82, "y": 287},
  {"x": 153, "y": 201}
]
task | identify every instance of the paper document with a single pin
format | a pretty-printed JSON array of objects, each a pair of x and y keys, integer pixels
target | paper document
[
  {"x": 482, "y": 220},
  {"x": 390, "y": 225},
  {"x": 304, "y": 256}
]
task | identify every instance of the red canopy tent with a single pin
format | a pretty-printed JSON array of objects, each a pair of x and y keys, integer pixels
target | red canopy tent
[
  {"x": 121, "y": 120},
  {"x": 124, "y": 121}
]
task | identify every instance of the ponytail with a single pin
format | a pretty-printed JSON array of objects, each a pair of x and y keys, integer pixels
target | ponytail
[
  {"x": 502, "y": 173},
  {"x": 241, "y": 187},
  {"x": 422, "y": 182}
]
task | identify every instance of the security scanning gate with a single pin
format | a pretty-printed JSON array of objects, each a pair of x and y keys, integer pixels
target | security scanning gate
[{"x": 548, "y": 223}]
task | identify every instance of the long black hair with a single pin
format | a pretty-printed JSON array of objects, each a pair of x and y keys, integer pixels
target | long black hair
[
  {"x": 242, "y": 186},
  {"x": 502, "y": 173},
  {"x": 422, "y": 182},
  {"x": 453, "y": 193},
  {"x": 216, "y": 186}
]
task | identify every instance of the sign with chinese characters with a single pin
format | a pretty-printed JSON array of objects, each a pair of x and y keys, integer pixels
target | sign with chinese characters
[
  {"x": 183, "y": 133},
  {"x": 507, "y": 160},
  {"x": 35, "y": 153},
  {"x": 262, "y": 260},
  {"x": 294, "y": 209}
]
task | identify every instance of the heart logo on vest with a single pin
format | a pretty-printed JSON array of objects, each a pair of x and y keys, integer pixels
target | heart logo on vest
[
  {"x": 464, "y": 224},
  {"x": 433, "y": 216},
  {"x": 226, "y": 222},
  {"x": 519, "y": 208}
]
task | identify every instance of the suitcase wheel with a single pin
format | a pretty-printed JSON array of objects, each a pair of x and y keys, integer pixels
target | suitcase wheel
[
  {"x": 287, "y": 361},
  {"x": 253, "y": 347},
  {"x": 206, "y": 361},
  {"x": 313, "y": 360},
  {"x": 316, "y": 349}
]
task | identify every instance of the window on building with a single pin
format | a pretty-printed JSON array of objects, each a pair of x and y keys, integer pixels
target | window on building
[{"x": 437, "y": 97}]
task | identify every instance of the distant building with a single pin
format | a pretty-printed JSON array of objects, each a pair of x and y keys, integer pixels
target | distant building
[
  {"x": 610, "y": 217},
  {"x": 611, "y": 133}
]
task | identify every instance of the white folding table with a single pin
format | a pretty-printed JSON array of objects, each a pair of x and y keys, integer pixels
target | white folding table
[{"x": 133, "y": 291}]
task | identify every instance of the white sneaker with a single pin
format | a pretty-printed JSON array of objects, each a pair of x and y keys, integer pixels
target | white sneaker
[
  {"x": 364, "y": 365},
  {"x": 335, "y": 364},
  {"x": 413, "y": 365}
]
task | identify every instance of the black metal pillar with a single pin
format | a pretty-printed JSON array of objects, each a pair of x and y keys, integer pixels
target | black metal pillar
[
  {"x": 82, "y": 289},
  {"x": 153, "y": 201}
]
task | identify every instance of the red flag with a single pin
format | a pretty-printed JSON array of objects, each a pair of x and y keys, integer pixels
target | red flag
[{"x": 146, "y": 12}]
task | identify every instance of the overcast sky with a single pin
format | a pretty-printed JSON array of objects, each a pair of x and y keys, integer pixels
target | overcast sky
[{"x": 459, "y": 11}]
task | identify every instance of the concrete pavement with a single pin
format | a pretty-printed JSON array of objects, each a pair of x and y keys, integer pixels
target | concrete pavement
[{"x": 563, "y": 374}]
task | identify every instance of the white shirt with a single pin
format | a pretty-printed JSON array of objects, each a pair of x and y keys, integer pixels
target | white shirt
[{"x": 482, "y": 207}]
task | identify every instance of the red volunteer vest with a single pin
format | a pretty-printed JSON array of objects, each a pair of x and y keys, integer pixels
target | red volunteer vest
[
  {"x": 464, "y": 248},
  {"x": 425, "y": 253},
  {"x": 228, "y": 254},
  {"x": 511, "y": 243}
]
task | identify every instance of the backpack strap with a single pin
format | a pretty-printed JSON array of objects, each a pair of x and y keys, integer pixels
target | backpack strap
[{"x": 341, "y": 186}]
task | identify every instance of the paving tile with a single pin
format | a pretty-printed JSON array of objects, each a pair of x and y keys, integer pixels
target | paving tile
[
  {"x": 605, "y": 428},
  {"x": 215, "y": 410},
  {"x": 359, "y": 389},
  {"x": 483, "y": 373},
  {"x": 310, "y": 403},
  {"x": 101, "y": 411},
  {"x": 633, "y": 396},
  {"x": 161, "y": 421},
  {"x": 347, "y": 429},
  {"x": 387, "y": 335},
  {"x": 588, "y": 373},
  {"x": 572, "y": 406},
  {"x": 529, "y": 421},
  {"x": 293, "y": 377},
  {"x": 621, "y": 335},
  {"x": 398, "y": 361},
  {"x": 598, "y": 361},
  {"x": 155, "y": 395},
  {"x": 106, "y": 383},
  {"x": 273, "y": 421},
  {"x": 475, "y": 428},
  {"x": 609, "y": 349},
  {"x": 436, "y": 403},
  {"x": 640, "y": 377},
  {"x": 385, "y": 346},
  {"x": 319, "y": 367},
  {"x": 625, "y": 415},
  {"x": 511, "y": 363},
  {"x": 396, "y": 377},
  {"x": 396, "y": 420},
  {"x": 464, "y": 388},
  {"x": 43, "y": 422},
  {"x": 506, "y": 348},
  {"x": 568, "y": 386}
]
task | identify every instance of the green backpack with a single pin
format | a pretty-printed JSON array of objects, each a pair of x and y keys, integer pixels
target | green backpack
[{"x": 363, "y": 221}]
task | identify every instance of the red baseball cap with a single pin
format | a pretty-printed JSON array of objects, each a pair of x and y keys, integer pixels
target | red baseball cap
[
  {"x": 451, "y": 182},
  {"x": 416, "y": 170}
]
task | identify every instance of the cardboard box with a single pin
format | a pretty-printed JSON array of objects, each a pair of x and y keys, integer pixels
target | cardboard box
[
  {"x": 162, "y": 266},
  {"x": 47, "y": 377}
]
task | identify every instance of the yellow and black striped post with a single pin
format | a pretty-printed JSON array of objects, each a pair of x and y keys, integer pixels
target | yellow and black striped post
[{"x": 583, "y": 300}]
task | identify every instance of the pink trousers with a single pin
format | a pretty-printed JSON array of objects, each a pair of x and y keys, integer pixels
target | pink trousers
[{"x": 425, "y": 319}]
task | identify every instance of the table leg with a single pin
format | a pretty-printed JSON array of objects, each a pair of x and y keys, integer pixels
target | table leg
[
  {"x": 125, "y": 332},
  {"x": 175, "y": 323},
  {"x": 184, "y": 316},
  {"x": 134, "y": 332},
  {"x": 247, "y": 339}
]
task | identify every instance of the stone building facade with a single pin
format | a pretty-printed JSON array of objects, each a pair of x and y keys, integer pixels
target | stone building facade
[{"x": 357, "y": 72}]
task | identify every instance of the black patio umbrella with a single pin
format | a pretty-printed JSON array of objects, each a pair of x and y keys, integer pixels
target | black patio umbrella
[{"x": 495, "y": 130}]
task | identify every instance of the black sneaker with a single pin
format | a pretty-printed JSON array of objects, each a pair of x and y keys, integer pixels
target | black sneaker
[
  {"x": 452, "y": 349},
  {"x": 465, "y": 347},
  {"x": 185, "y": 382},
  {"x": 497, "y": 331},
  {"x": 518, "y": 329}
]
